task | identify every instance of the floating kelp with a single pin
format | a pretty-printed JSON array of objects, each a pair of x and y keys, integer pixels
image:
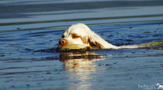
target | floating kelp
[
  {"x": 157, "y": 45},
  {"x": 51, "y": 50},
  {"x": 153, "y": 45}
]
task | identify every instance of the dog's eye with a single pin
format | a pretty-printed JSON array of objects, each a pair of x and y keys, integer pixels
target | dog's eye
[
  {"x": 75, "y": 36},
  {"x": 63, "y": 36}
]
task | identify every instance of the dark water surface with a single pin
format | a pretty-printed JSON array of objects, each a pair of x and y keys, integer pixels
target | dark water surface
[{"x": 30, "y": 25}]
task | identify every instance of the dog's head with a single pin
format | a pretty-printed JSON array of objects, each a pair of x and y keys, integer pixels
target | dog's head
[{"x": 81, "y": 34}]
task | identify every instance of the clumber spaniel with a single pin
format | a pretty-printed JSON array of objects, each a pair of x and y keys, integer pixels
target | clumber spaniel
[{"x": 81, "y": 34}]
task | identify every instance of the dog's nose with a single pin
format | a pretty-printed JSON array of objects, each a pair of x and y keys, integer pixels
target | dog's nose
[{"x": 63, "y": 42}]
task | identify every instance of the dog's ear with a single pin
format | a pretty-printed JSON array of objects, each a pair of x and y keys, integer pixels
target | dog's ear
[{"x": 96, "y": 40}]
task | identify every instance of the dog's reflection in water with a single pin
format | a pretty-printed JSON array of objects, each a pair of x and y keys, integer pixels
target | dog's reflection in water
[{"x": 81, "y": 61}]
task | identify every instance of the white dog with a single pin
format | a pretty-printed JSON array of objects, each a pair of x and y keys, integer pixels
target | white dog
[
  {"x": 159, "y": 86},
  {"x": 81, "y": 34}
]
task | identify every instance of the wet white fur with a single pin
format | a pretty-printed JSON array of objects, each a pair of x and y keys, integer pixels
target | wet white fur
[{"x": 84, "y": 31}]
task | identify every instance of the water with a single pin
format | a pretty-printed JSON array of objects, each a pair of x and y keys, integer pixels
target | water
[{"x": 27, "y": 26}]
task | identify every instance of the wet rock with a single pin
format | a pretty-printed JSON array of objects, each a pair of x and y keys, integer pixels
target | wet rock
[
  {"x": 133, "y": 51},
  {"x": 48, "y": 73},
  {"x": 2, "y": 55},
  {"x": 146, "y": 32},
  {"x": 110, "y": 36}
]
